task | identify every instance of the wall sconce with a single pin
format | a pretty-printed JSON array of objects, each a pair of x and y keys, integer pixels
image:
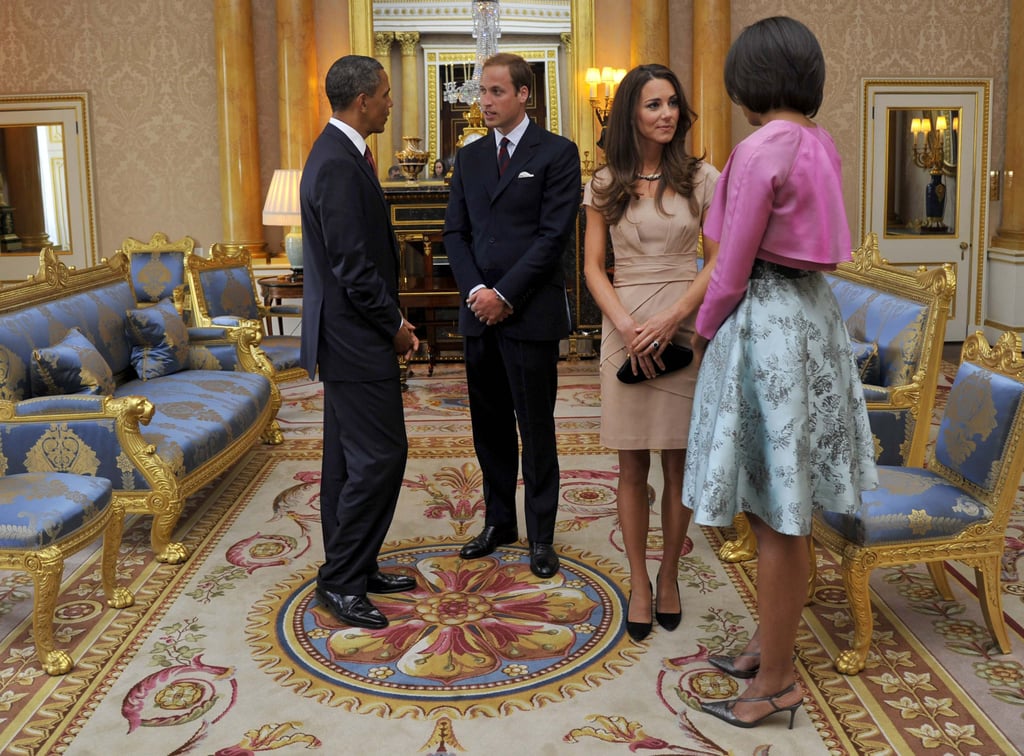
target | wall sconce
[
  {"x": 610, "y": 78},
  {"x": 282, "y": 209}
]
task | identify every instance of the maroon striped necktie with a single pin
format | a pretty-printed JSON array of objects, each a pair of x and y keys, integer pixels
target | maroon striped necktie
[
  {"x": 369, "y": 159},
  {"x": 503, "y": 156}
]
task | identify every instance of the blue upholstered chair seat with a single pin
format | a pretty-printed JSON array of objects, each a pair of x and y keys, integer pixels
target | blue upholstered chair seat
[
  {"x": 909, "y": 504},
  {"x": 37, "y": 509},
  {"x": 282, "y": 351},
  {"x": 199, "y": 412}
]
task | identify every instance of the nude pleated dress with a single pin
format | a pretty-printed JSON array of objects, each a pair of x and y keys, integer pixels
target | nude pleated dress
[{"x": 655, "y": 263}]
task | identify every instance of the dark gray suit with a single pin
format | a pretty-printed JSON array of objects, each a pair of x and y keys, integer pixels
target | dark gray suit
[
  {"x": 509, "y": 233},
  {"x": 350, "y": 315}
]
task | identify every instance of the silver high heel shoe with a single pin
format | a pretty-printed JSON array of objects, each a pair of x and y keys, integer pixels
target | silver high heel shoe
[{"x": 723, "y": 709}]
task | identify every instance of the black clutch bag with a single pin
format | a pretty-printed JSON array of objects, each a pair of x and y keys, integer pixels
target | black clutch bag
[{"x": 675, "y": 358}]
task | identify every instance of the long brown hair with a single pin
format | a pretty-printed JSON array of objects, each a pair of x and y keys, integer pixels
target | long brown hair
[{"x": 622, "y": 147}]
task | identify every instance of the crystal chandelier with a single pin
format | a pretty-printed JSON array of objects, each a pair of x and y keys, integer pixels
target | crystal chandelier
[{"x": 486, "y": 31}]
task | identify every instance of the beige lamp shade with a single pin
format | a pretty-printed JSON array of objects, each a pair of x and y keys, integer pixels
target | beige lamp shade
[{"x": 282, "y": 205}]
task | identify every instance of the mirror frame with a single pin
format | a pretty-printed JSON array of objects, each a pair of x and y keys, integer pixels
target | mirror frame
[
  {"x": 71, "y": 109},
  {"x": 579, "y": 54}
]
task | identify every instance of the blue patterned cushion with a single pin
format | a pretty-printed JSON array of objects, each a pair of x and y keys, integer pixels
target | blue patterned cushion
[
  {"x": 976, "y": 424},
  {"x": 38, "y": 509},
  {"x": 865, "y": 354},
  {"x": 909, "y": 504},
  {"x": 159, "y": 339},
  {"x": 71, "y": 366},
  {"x": 229, "y": 291},
  {"x": 157, "y": 274},
  {"x": 895, "y": 324},
  {"x": 199, "y": 413}
]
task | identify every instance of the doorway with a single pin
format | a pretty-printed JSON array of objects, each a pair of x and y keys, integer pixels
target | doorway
[{"x": 925, "y": 170}]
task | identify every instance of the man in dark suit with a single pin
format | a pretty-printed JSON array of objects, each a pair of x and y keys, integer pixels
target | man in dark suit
[
  {"x": 513, "y": 201},
  {"x": 352, "y": 330}
]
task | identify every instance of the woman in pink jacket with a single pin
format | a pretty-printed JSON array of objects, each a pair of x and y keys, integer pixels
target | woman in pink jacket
[{"x": 780, "y": 428}]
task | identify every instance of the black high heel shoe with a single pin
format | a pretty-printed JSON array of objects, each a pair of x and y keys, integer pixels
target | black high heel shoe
[
  {"x": 723, "y": 709},
  {"x": 670, "y": 620},
  {"x": 639, "y": 630}
]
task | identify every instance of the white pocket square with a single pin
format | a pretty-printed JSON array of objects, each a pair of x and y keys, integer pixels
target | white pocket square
[{"x": 525, "y": 174}]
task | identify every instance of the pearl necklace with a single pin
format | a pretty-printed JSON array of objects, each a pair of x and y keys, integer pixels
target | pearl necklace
[{"x": 648, "y": 176}]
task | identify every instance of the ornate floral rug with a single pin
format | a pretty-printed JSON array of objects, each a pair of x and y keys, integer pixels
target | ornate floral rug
[{"x": 230, "y": 654}]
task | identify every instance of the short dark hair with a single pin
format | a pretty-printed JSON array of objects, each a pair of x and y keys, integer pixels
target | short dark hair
[
  {"x": 518, "y": 69},
  {"x": 349, "y": 77},
  {"x": 776, "y": 63}
]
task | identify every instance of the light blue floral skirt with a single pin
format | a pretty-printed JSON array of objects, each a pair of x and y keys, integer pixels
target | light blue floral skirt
[{"x": 779, "y": 426}]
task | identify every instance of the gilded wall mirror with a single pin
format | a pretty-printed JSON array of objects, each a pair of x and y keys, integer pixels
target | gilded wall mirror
[
  {"x": 925, "y": 172},
  {"x": 45, "y": 181},
  {"x": 921, "y": 184}
]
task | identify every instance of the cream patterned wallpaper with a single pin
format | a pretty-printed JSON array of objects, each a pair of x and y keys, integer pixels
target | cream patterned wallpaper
[
  {"x": 892, "y": 39},
  {"x": 149, "y": 69}
]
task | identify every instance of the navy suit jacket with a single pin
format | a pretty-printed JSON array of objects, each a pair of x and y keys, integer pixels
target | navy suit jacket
[
  {"x": 510, "y": 233},
  {"x": 350, "y": 309}
]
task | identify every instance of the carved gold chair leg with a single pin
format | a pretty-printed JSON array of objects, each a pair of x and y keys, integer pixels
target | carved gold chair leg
[
  {"x": 744, "y": 546},
  {"x": 938, "y": 572},
  {"x": 118, "y": 597},
  {"x": 164, "y": 522},
  {"x": 986, "y": 577},
  {"x": 855, "y": 577},
  {"x": 46, "y": 568}
]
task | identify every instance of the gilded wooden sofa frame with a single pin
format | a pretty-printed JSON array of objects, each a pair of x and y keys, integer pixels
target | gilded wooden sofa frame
[
  {"x": 935, "y": 287},
  {"x": 165, "y": 498},
  {"x": 980, "y": 546}
]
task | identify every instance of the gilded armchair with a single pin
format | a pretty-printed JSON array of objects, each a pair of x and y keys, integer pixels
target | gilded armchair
[
  {"x": 896, "y": 319},
  {"x": 46, "y": 517},
  {"x": 957, "y": 507},
  {"x": 222, "y": 290}
]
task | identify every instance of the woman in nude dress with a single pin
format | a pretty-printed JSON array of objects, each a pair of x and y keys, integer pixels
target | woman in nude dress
[{"x": 651, "y": 196}]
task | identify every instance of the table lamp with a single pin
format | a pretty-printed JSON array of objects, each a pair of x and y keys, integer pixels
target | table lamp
[{"x": 282, "y": 209}]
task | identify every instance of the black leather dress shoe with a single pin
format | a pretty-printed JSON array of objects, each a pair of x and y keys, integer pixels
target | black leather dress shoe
[
  {"x": 388, "y": 582},
  {"x": 490, "y": 538},
  {"x": 543, "y": 560},
  {"x": 354, "y": 609}
]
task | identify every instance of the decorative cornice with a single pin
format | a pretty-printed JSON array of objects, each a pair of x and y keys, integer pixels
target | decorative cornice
[{"x": 427, "y": 16}]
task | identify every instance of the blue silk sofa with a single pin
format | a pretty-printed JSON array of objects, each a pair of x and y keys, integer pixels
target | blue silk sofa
[
  {"x": 94, "y": 386},
  {"x": 896, "y": 319}
]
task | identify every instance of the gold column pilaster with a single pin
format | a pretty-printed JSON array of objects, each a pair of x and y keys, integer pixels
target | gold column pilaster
[
  {"x": 649, "y": 38},
  {"x": 711, "y": 134},
  {"x": 410, "y": 92},
  {"x": 582, "y": 57},
  {"x": 382, "y": 44},
  {"x": 1010, "y": 234},
  {"x": 236, "y": 121},
  {"x": 296, "y": 80}
]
